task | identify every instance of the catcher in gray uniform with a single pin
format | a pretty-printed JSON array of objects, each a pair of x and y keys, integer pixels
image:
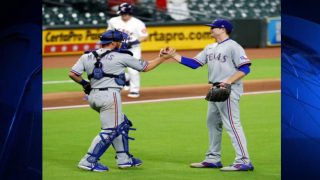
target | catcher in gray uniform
[
  {"x": 106, "y": 69},
  {"x": 227, "y": 65}
]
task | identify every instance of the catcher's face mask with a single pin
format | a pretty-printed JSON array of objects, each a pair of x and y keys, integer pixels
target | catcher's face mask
[{"x": 125, "y": 41}]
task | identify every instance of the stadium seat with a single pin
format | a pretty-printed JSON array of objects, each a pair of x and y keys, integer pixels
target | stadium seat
[
  {"x": 45, "y": 21},
  {"x": 241, "y": 14},
  {"x": 54, "y": 20},
  {"x": 99, "y": 18},
  {"x": 83, "y": 19},
  {"x": 145, "y": 10},
  {"x": 94, "y": 11},
  {"x": 194, "y": 8}
]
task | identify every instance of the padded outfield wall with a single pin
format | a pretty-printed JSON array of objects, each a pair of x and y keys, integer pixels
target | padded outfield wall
[{"x": 250, "y": 33}]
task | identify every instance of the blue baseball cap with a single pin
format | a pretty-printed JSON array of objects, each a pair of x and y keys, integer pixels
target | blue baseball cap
[
  {"x": 221, "y": 23},
  {"x": 125, "y": 8},
  {"x": 110, "y": 36}
]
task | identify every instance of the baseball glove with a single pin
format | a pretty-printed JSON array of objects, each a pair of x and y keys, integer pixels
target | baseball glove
[
  {"x": 88, "y": 89},
  {"x": 218, "y": 94}
]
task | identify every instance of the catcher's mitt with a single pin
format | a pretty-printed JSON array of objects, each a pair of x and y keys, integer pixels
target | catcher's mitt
[
  {"x": 217, "y": 94},
  {"x": 88, "y": 89}
]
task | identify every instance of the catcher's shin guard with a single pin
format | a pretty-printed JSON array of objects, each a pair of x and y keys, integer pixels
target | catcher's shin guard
[
  {"x": 102, "y": 146},
  {"x": 124, "y": 128}
]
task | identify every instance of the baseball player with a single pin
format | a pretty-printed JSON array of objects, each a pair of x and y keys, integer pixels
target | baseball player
[
  {"x": 227, "y": 64},
  {"x": 136, "y": 29},
  {"x": 105, "y": 68}
]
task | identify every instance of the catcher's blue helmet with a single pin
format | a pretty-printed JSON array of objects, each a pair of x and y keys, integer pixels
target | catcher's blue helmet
[
  {"x": 125, "y": 8},
  {"x": 221, "y": 23},
  {"x": 117, "y": 36}
]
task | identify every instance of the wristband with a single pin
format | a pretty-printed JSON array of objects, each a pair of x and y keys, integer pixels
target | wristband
[
  {"x": 135, "y": 42},
  {"x": 83, "y": 82}
]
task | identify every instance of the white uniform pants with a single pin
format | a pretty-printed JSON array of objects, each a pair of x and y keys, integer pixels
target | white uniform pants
[{"x": 133, "y": 75}]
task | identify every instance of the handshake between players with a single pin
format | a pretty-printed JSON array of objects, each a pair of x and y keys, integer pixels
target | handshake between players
[{"x": 167, "y": 53}]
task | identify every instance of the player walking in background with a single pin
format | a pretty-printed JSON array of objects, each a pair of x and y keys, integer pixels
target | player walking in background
[
  {"x": 106, "y": 67},
  {"x": 227, "y": 65},
  {"x": 136, "y": 29}
]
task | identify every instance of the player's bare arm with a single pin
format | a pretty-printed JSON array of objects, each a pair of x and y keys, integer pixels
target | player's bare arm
[
  {"x": 189, "y": 62},
  {"x": 79, "y": 79},
  {"x": 236, "y": 77},
  {"x": 176, "y": 57},
  {"x": 154, "y": 63},
  {"x": 142, "y": 38}
]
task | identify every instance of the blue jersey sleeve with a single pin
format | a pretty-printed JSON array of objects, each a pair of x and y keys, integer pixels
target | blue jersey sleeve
[
  {"x": 190, "y": 62},
  {"x": 245, "y": 68}
]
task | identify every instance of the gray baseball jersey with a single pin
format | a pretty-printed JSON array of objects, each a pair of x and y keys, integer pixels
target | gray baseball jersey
[
  {"x": 135, "y": 28},
  {"x": 113, "y": 63},
  {"x": 108, "y": 102},
  {"x": 224, "y": 59}
]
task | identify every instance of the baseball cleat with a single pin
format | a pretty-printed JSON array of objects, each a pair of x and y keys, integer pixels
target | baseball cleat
[
  {"x": 96, "y": 168},
  {"x": 133, "y": 95},
  {"x": 206, "y": 165},
  {"x": 135, "y": 162},
  {"x": 238, "y": 167}
]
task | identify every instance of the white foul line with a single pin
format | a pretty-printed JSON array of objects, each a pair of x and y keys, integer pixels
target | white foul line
[
  {"x": 155, "y": 100},
  {"x": 58, "y": 82}
]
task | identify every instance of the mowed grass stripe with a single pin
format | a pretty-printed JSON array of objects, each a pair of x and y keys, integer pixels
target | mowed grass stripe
[
  {"x": 169, "y": 136},
  {"x": 164, "y": 75},
  {"x": 153, "y": 100}
]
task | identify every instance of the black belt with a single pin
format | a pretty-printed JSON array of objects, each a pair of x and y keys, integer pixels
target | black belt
[
  {"x": 103, "y": 89},
  {"x": 105, "y": 75}
]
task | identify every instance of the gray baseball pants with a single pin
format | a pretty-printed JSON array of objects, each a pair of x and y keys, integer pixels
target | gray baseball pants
[{"x": 226, "y": 114}]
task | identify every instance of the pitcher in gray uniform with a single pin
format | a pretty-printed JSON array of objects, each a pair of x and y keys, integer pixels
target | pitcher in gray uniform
[
  {"x": 105, "y": 68},
  {"x": 227, "y": 64}
]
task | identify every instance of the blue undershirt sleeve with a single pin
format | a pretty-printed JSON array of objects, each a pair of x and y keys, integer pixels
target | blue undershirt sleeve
[
  {"x": 189, "y": 62},
  {"x": 245, "y": 68},
  {"x": 135, "y": 42}
]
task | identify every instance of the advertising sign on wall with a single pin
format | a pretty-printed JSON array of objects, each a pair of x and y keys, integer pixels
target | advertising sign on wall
[
  {"x": 76, "y": 41},
  {"x": 274, "y": 32}
]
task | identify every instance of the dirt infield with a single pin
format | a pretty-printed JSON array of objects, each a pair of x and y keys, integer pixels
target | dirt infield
[
  {"x": 70, "y": 60},
  {"x": 149, "y": 93}
]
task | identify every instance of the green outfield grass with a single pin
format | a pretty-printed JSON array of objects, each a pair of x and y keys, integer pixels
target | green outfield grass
[
  {"x": 169, "y": 136},
  {"x": 164, "y": 75}
]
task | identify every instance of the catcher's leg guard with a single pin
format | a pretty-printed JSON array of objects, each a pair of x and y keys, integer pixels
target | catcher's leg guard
[
  {"x": 102, "y": 146},
  {"x": 124, "y": 128}
]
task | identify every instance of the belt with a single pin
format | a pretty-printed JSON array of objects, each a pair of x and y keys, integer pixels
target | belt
[
  {"x": 103, "y": 89},
  {"x": 217, "y": 83}
]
